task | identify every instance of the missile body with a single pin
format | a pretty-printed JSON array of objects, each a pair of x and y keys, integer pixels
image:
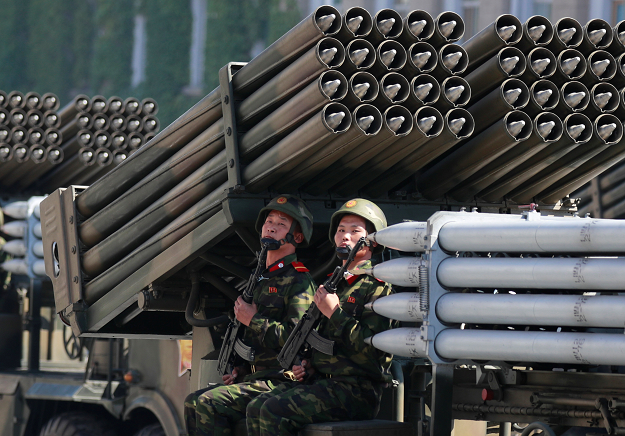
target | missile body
[{"x": 408, "y": 237}]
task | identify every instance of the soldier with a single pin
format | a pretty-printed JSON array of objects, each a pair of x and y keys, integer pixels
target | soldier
[
  {"x": 281, "y": 298},
  {"x": 347, "y": 385}
]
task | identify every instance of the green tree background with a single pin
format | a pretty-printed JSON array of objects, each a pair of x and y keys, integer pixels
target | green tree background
[{"x": 72, "y": 47}]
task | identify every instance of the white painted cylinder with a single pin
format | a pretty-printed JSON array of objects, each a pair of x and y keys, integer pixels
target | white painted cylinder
[
  {"x": 565, "y": 235},
  {"x": 402, "y": 307},
  {"x": 548, "y": 310},
  {"x": 401, "y": 342},
  {"x": 580, "y": 273},
  {"x": 410, "y": 237},
  {"x": 403, "y": 271},
  {"x": 540, "y": 347}
]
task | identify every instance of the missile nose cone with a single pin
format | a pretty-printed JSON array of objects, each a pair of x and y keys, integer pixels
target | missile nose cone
[
  {"x": 539, "y": 65},
  {"x": 606, "y": 130},
  {"x": 361, "y": 89},
  {"x": 18, "y": 118},
  {"x": 596, "y": 35},
  {"x": 454, "y": 93},
  {"x": 420, "y": 59},
  {"x": 4, "y": 152},
  {"x": 119, "y": 158},
  {"x": 87, "y": 155},
  {"x": 328, "y": 54},
  {"x": 542, "y": 97},
  {"x": 334, "y": 120},
  {"x": 456, "y": 125},
  {"x": 515, "y": 127},
  {"x": 576, "y": 130},
  {"x": 392, "y": 90},
  {"x": 16, "y": 247},
  {"x": 416, "y": 27},
  {"x": 621, "y": 37},
  {"x": 602, "y": 99},
  {"x": 395, "y": 123},
  {"x": 358, "y": 56},
  {"x": 569, "y": 65},
  {"x": 512, "y": 95},
  {"x": 16, "y": 229},
  {"x": 325, "y": 22},
  {"x": 385, "y": 26},
  {"x": 331, "y": 86},
  {"x": 447, "y": 28},
  {"x": 426, "y": 123},
  {"x": 369, "y": 340},
  {"x": 37, "y": 153},
  {"x": 15, "y": 266},
  {"x": 452, "y": 59},
  {"x": 16, "y": 209},
  {"x": 536, "y": 32},
  {"x": 565, "y": 35},
  {"x": 54, "y": 155},
  {"x": 365, "y": 122},
  {"x": 388, "y": 57},
  {"x": 423, "y": 90},
  {"x": 103, "y": 157},
  {"x": 599, "y": 67},
  {"x": 508, "y": 64},
  {"x": 353, "y": 24},
  {"x": 544, "y": 129},
  {"x": 20, "y": 152},
  {"x": 574, "y": 98},
  {"x": 505, "y": 32}
]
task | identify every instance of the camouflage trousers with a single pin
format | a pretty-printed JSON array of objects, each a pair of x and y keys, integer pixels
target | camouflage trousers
[
  {"x": 215, "y": 410},
  {"x": 289, "y": 407}
]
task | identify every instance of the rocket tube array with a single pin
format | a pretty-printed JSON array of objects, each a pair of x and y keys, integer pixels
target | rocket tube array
[{"x": 471, "y": 314}]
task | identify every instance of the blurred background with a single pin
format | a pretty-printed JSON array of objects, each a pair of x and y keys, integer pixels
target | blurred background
[{"x": 172, "y": 50}]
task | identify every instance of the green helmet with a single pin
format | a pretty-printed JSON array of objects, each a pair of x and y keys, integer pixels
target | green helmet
[
  {"x": 297, "y": 209},
  {"x": 363, "y": 208}
]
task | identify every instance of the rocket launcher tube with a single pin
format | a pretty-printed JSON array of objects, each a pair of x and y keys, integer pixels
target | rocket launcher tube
[
  {"x": 508, "y": 62},
  {"x": 418, "y": 26},
  {"x": 491, "y": 39}
]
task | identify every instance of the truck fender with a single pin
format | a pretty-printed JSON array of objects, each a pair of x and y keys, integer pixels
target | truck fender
[{"x": 154, "y": 401}]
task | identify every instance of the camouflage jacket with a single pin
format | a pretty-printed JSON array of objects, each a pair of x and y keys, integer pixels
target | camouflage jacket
[
  {"x": 282, "y": 296},
  {"x": 350, "y": 325}
]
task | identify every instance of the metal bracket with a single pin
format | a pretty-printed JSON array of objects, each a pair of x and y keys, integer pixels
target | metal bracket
[{"x": 230, "y": 124}]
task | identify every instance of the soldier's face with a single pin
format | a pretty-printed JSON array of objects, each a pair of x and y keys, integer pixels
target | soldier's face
[
  {"x": 349, "y": 231},
  {"x": 277, "y": 225}
]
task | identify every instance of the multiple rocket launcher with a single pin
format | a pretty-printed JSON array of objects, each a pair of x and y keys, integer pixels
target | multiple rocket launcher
[
  {"x": 81, "y": 141},
  {"x": 486, "y": 289}
]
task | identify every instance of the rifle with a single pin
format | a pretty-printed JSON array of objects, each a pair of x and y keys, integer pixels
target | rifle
[
  {"x": 233, "y": 345},
  {"x": 304, "y": 336}
]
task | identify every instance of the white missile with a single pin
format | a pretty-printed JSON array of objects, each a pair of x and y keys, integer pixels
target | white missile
[
  {"x": 426, "y": 123},
  {"x": 452, "y": 59},
  {"x": 361, "y": 89},
  {"x": 544, "y": 129},
  {"x": 508, "y": 64},
  {"x": 395, "y": 123},
  {"x": 388, "y": 57},
  {"x": 402, "y": 307},
  {"x": 566, "y": 35},
  {"x": 599, "y": 67},
  {"x": 505, "y": 32},
  {"x": 596, "y": 36},
  {"x": 353, "y": 24},
  {"x": 583, "y": 273},
  {"x": 408, "y": 237},
  {"x": 334, "y": 120},
  {"x": 447, "y": 28},
  {"x": 456, "y": 125},
  {"x": 416, "y": 27},
  {"x": 515, "y": 127},
  {"x": 16, "y": 209},
  {"x": 15, "y": 266},
  {"x": 512, "y": 95},
  {"x": 569, "y": 65},
  {"x": 542, "y": 97},
  {"x": 420, "y": 59},
  {"x": 401, "y": 342},
  {"x": 16, "y": 229},
  {"x": 602, "y": 99},
  {"x": 454, "y": 93},
  {"x": 606, "y": 130},
  {"x": 621, "y": 37},
  {"x": 540, "y": 65},
  {"x": 576, "y": 130},
  {"x": 37, "y": 230},
  {"x": 328, "y": 54},
  {"x": 521, "y": 309},
  {"x": 358, "y": 56},
  {"x": 574, "y": 98},
  {"x": 536, "y": 32},
  {"x": 325, "y": 22},
  {"x": 564, "y": 235},
  {"x": 16, "y": 247},
  {"x": 403, "y": 271},
  {"x": 386, "y": 25},
  {"x": 37, "y": 249},
  {"x": 331, "y": 86},
  {"x": 365, "y": 122},
  {"x": 423, "y": 90},
  {"x": 392, "y": 90},
  {"x": 39, "y": 268},
  {"x": 531, "y": 346}
]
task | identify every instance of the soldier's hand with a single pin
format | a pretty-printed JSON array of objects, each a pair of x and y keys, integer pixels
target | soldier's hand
[
  {"x": 244, "y": 312},
  {"x": 326, "y": 302},
  {"x": 229, "y": 379},
  {"x": 301, "y": 371}
]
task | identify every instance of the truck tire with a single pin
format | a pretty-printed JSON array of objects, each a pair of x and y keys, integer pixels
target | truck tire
[
  {"x": 78, "y": 424},
  {"x": 151, "y": 430}
]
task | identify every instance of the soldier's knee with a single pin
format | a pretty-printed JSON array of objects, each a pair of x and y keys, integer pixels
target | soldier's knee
[{"x": 191, "y": 400}]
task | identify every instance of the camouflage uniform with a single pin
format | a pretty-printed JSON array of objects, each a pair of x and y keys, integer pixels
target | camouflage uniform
[
  {"x": 346, "y": 386},
  {"x": 282, "y": 297}
]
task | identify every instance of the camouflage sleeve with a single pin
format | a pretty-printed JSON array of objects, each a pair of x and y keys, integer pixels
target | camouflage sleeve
[
  {"x": 351, "y": 332},
  {"x": 274, "y": 332}
]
